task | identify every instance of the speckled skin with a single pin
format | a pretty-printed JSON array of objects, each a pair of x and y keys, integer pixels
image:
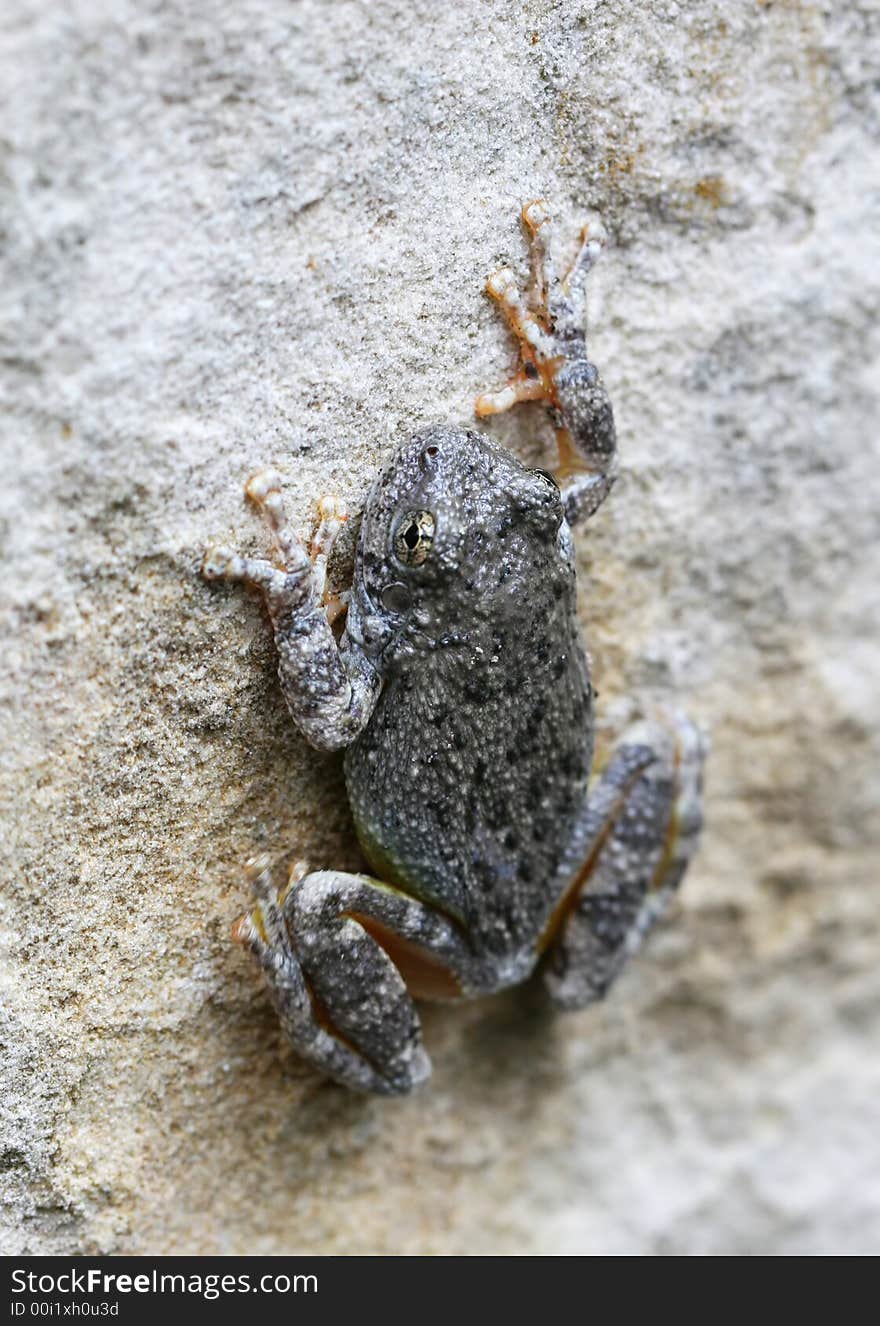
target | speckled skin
[
  {"x": 460, "y": 690},
  {"x": 486, "y": 711}
]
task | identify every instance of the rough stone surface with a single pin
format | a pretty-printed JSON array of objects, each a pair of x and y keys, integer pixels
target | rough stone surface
[{"x": 243, "y": 233}]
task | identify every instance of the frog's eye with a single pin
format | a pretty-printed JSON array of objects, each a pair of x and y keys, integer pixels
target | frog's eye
[
  {"x": 542, "y": 501},
  {"x": 414, "y": 536},
  {"x": 550, "y": 482}
]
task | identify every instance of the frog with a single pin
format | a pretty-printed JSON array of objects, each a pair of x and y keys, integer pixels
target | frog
[{"x": 454, "y": 677}]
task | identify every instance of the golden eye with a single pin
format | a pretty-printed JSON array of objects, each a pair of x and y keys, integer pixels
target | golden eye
[{"x": 414, "y": 537}]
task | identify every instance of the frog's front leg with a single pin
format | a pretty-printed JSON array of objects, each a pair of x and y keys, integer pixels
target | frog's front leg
[
  {"x": 640, "y": 831},
  {"x": 555, "y": 367},
  {"x": 330, "y": 689},
  {"x": 343, "y": 954}
]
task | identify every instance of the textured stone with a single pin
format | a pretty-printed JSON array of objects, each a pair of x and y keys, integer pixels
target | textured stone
[{"x": 237, "y": 234}]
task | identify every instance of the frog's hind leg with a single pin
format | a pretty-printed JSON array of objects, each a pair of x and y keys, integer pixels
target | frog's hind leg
[
  {"x": 343, "y": 954},
  {"x": 640, "y": 831}
]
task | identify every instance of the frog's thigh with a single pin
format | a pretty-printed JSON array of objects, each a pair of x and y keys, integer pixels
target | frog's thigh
[
  {"x": 343, "y": 959},
  {"x": 643, "y": 823}
]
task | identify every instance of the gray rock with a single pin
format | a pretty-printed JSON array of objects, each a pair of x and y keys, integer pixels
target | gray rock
[{"x": 245, "y": 234}]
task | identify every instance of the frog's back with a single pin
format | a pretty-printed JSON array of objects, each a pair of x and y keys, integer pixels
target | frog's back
[{"x": 467, "y": 783}]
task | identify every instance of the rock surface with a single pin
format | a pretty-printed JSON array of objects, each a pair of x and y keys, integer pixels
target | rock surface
[{"x": 257, "y": 232}]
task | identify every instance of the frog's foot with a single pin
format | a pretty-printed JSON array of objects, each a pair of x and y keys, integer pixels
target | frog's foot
[
  {"x": 342, "y": 955},
  {"x": 554, "y": 364},
  {"x": 640, "y": 831},
  {"x": 534, "y": 381},
  {"x": 264, "y": 490},
  {"x": 283, "y": 590},
  {"x": 288, "y": 588},
  {"x": 562, "y": 302},
  {"x": 297, "y": 562}
]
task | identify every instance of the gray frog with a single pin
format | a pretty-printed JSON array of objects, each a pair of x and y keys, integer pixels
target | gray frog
[{"x": 461, "y": 693}]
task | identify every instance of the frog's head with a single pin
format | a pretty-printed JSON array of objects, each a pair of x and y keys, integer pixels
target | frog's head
[{"x": 455, "y": 530}]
